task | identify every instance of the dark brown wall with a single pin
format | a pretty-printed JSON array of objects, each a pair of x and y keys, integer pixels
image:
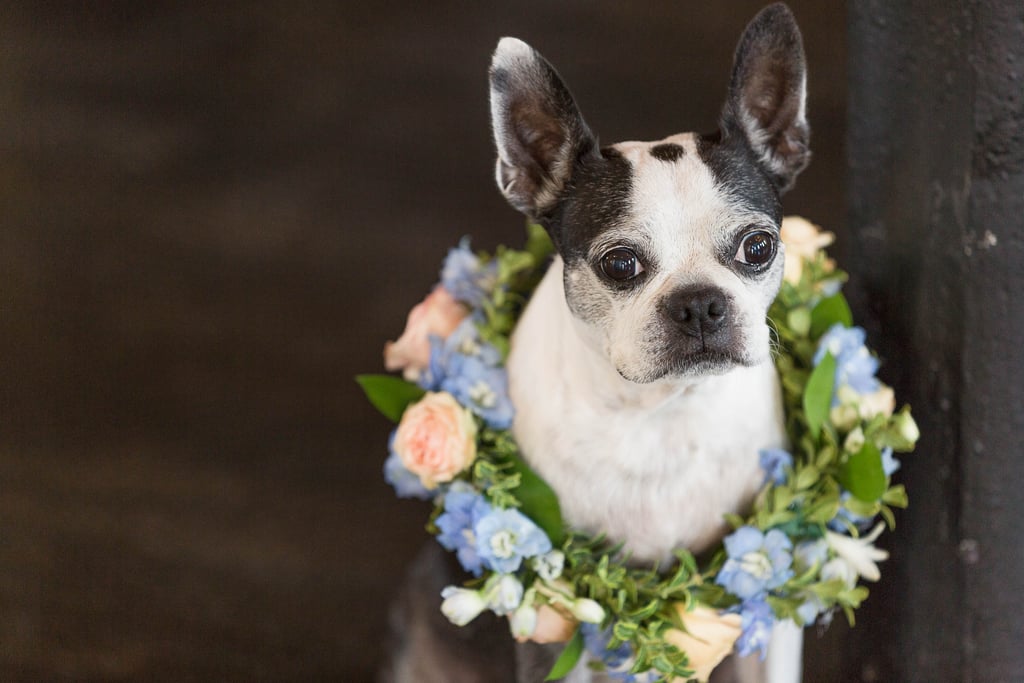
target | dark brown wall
[
  {"x": 937, "y": 208},
  {"x": 213, "y": 215}
]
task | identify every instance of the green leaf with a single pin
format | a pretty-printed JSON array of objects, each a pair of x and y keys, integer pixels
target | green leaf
[
  {"x": 390, "y": 395},
  {"x": 828, "y": 312},
  {"x": 806, "y": 477},
  {"x": 896, "y": 496},
  {"x": 862, "y": 475},
  {"x": 818, "y": 394},
  {"x": 538, "y": 501},
  {"x": 822, "y": 512},
  {"x": 567, "y": 660}
]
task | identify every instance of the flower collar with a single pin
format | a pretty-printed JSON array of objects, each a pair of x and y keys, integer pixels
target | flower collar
[{"x": 800, "y": 554}]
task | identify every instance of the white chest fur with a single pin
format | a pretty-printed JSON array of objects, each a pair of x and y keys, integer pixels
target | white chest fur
[{"x": 654, "y": 465}]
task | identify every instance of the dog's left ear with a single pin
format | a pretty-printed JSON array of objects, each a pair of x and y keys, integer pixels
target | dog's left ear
[
  {"x": 768, "y": 92},
  {"x": 538, "y": 129}
]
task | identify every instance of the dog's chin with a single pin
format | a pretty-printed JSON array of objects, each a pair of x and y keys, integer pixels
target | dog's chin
[{"x": 691, "y": 366}]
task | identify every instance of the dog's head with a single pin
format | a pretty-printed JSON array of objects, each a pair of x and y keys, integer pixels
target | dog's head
[{"x": 671, "y": 248}]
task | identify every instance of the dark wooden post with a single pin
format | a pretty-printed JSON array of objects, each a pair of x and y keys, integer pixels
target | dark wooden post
[{"x": 936, "y": 244}]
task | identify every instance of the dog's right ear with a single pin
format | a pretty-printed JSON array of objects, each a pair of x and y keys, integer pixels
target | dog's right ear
[{"x": 538, "y": 129}]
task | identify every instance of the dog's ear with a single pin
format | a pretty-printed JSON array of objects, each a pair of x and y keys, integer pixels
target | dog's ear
[
  {"x": 538, "y": 129},
  {"x": 768, "y": 92}
]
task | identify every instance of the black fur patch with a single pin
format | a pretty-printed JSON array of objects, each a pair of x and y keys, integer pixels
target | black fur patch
[
  {"x": 667, "y": 151},
  {"x": 735, "y": 168},
  {"x": 596, "y": 198}
]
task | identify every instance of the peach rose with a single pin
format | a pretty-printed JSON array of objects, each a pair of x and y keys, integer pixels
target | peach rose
[
  {"x": 438, "y": 314},
  {"x": 803, "y": 240},
  {"x": 436, "y": 439},
  {"x": 708, "y": 638}
]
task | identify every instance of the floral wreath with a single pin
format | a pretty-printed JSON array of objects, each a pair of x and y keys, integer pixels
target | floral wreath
[{"x": 798, "y": 555}]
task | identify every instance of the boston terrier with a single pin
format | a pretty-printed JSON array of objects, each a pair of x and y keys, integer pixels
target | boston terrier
[{"x": 641, "y": 370}]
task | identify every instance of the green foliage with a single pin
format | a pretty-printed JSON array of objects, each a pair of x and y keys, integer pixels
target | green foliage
[
  {"x": 390, "y": 395},
  {"x": 640, "y": 603},
  {"x": 519, "y": 272},
  {"x": 818, "y": 394},
  {"x": 862, "y": 474},
  {"x": 566, "y": 661}
]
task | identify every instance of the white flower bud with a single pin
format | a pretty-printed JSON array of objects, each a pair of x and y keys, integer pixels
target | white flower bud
[
  {"x": 523, "y": 622},
  {"x": 907, "y": 427},
  {"x": 587, "y": 610},
  {"x": 462, "y": 605}
]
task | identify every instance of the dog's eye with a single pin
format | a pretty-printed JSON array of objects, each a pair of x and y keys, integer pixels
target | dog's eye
[
  {"x": 621, "y": 264},
  {"x": 756, "y": 249}
]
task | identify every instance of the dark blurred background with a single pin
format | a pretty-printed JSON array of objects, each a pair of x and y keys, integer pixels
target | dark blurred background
[{"x": 213, "y": 216}]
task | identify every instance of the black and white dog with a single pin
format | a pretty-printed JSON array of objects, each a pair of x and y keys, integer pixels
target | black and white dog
[{"x": 641, "y": 370}]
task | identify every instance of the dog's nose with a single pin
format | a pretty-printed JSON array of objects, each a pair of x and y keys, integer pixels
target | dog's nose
[{"x": 698, "y": 311}]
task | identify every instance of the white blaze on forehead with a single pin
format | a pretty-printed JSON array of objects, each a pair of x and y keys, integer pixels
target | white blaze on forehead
[
  {"x": 679, "y": 209},
  {"x": 677, "y": 206}
]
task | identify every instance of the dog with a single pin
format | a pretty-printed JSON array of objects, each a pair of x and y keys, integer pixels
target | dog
[{"x": 641, "y": 370}]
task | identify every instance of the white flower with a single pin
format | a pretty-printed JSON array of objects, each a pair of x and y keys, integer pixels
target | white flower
[
  {"x": 505, "y": 594},
  {"x": 839, "y": 568},
  {"x": 859, "y": 553},
  {"x": 523, "y": 622},
  {"x": 462, "y": 605},
  {"x": 587, "y": 610},
  {"x": 549, "y": 565}
]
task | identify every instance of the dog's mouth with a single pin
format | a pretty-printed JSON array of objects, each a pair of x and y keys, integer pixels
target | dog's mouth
[{"x": 703, "y": 363}]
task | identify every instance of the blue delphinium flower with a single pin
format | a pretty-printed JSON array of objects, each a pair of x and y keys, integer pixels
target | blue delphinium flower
[
  {"x": 468, "y": 280},
  {"x": 470, "y": 369},
  {"x": 505, "y": 537},
  {"x": 810, "y": 553},
  {"x": 855, "y": 366},
  {"x": 811, "y": 608},
  {"x": 481, "y": 388},
  {"x": 463, "y": 508},
  {"x": 406, "y": 484},
  {"x": 890, "y": 464},
  {"x": 758, "y": 562},
  {"x": 774, "y": 462},
  {"x": 757, "y": 624},
  {"x": 617, "y": 661}
]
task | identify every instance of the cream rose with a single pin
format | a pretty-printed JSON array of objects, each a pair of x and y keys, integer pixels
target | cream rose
[
  {"x": 436, "y": 439},
  {"x": 853, "y": 406},
  {"x": 708, "y": 639},
  {"x": 803, "y": 240},
  {"x": 438, "y": 314}
]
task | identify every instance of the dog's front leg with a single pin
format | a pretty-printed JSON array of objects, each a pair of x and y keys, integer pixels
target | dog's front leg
[
  {"x": 782, "y": 665},
  {"x": 785, "y": 654}
]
